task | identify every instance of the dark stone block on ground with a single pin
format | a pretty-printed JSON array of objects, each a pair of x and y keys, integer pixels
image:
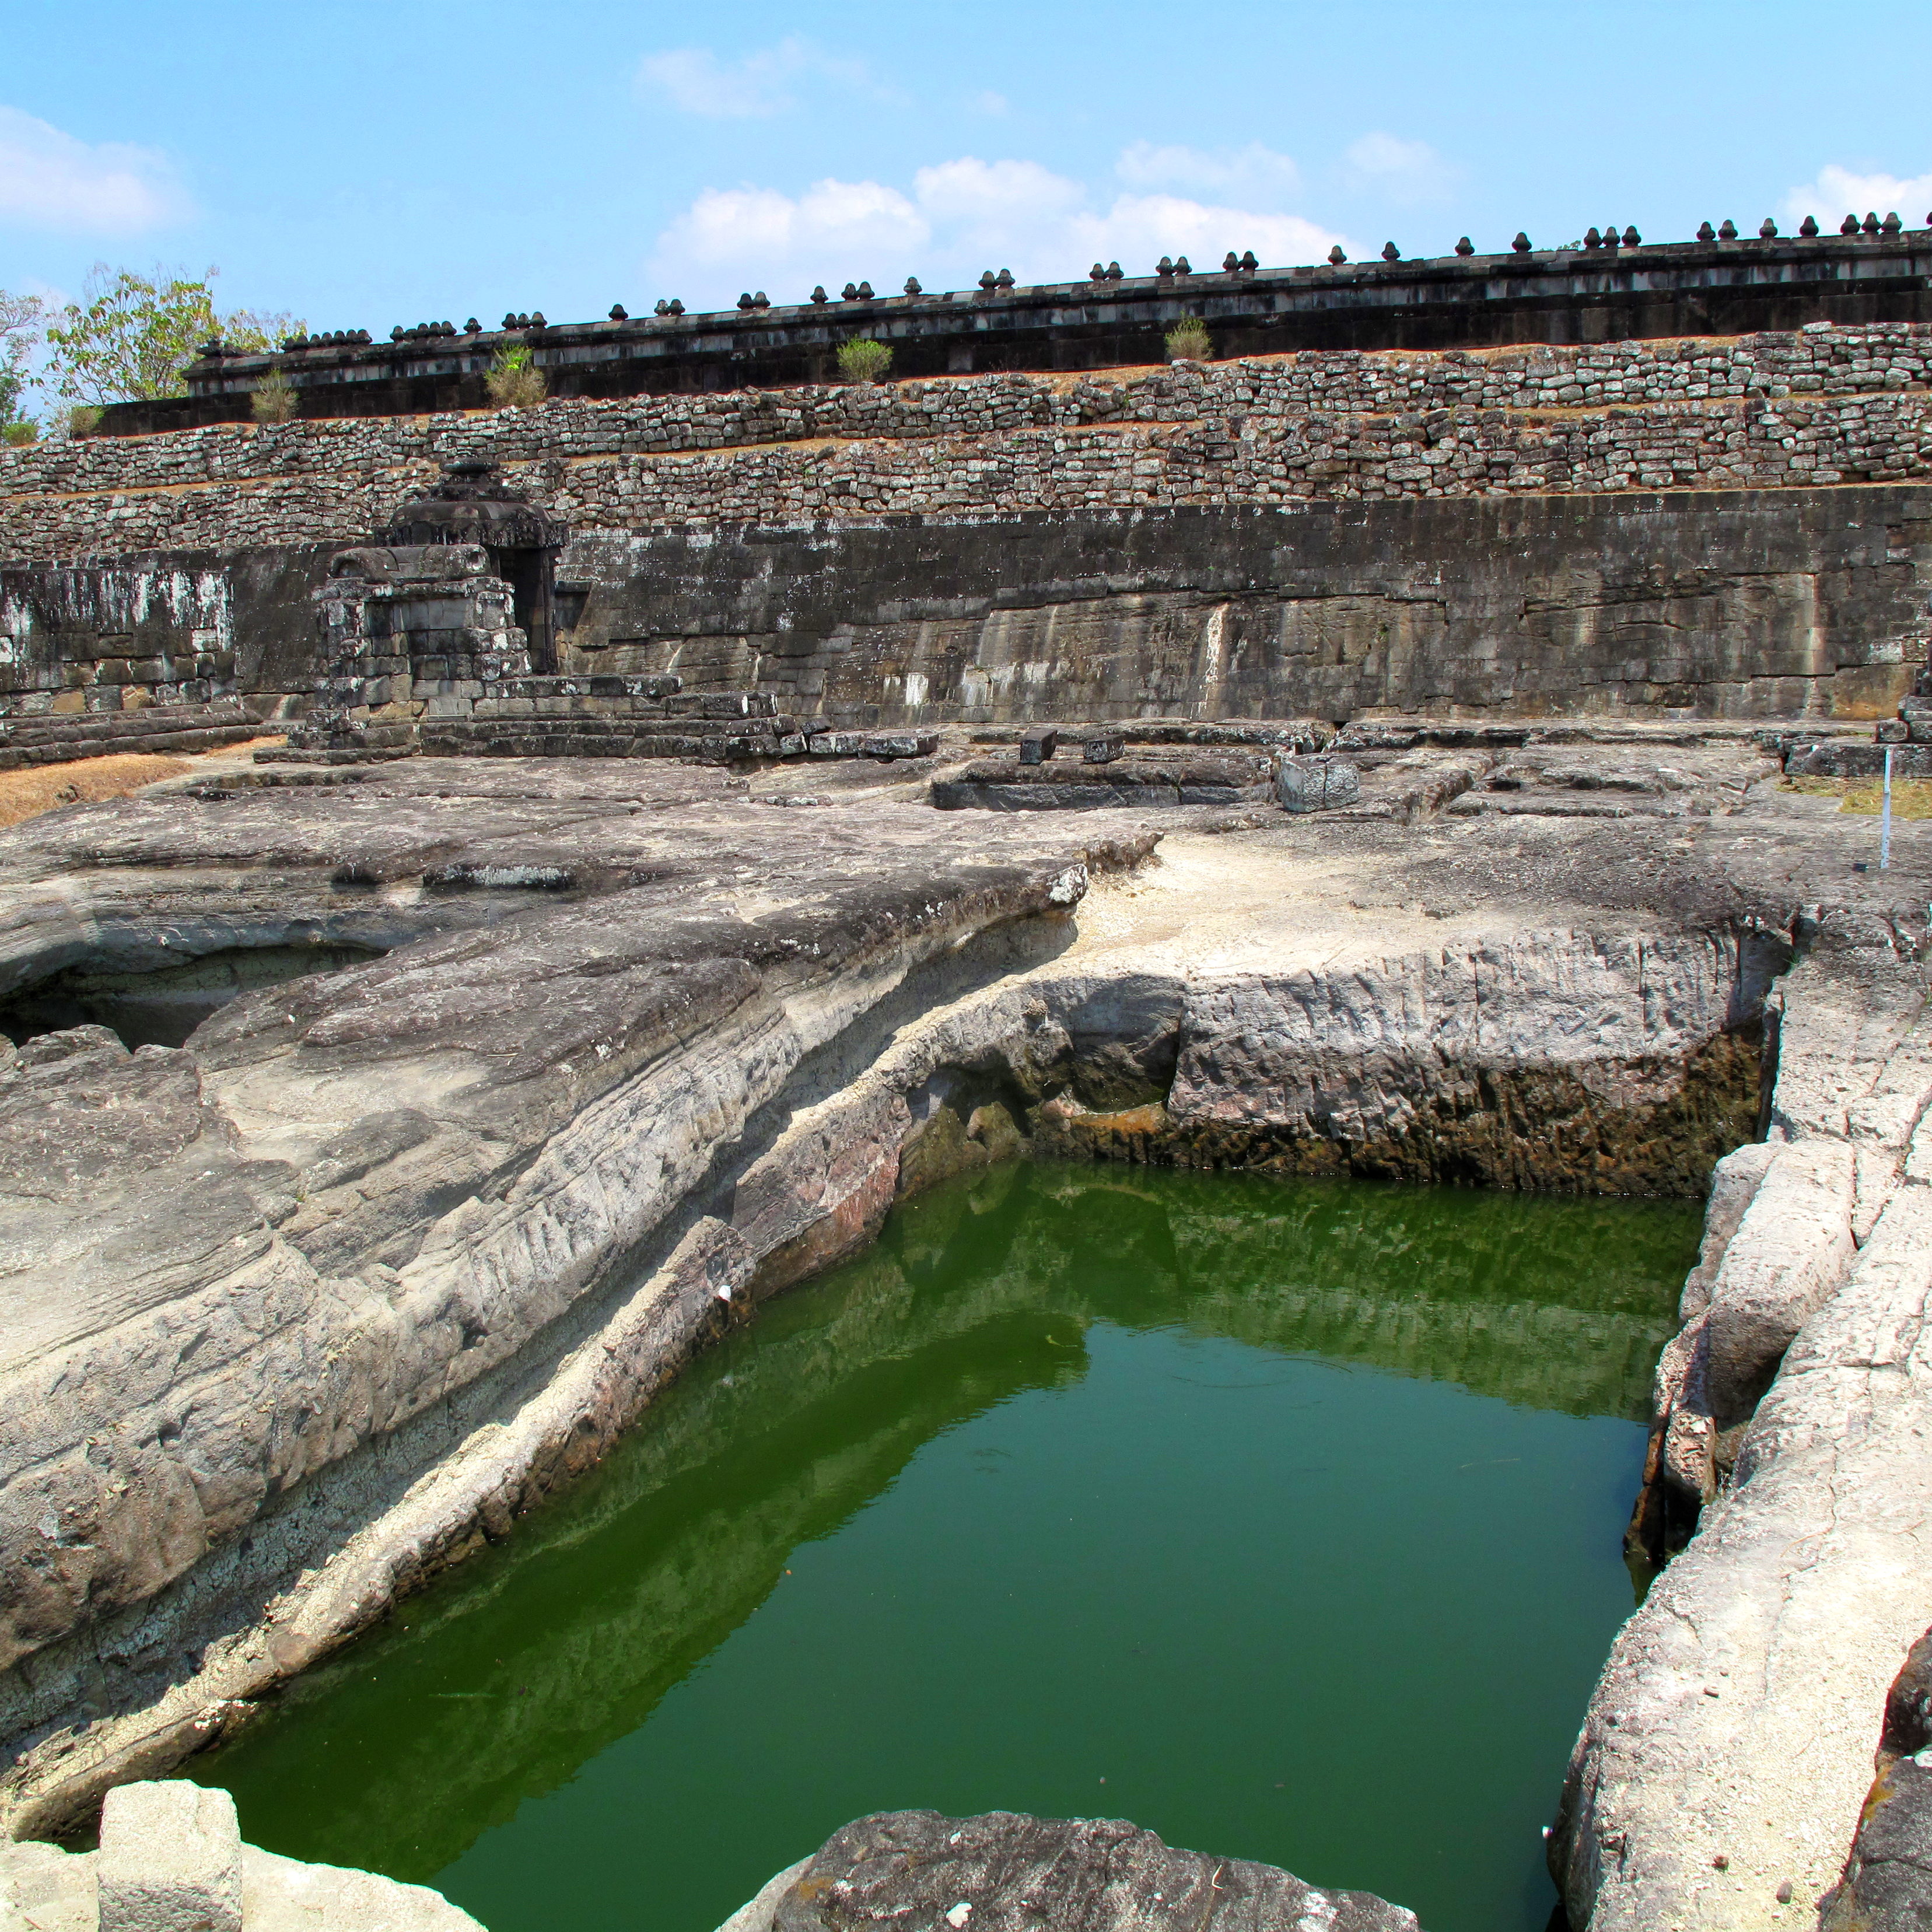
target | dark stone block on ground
[
  {"x": 1006, "y": 1872},
  {"x": 1316, "y": 785},
  {"x": 1193, "y": 778}
]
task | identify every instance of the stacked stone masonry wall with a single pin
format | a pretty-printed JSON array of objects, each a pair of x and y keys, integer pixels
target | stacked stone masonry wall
[{"x": 1825, "y": 405}]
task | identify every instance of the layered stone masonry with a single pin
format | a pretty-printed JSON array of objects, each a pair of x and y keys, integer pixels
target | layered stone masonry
[{"x": 1824, "y": 405}]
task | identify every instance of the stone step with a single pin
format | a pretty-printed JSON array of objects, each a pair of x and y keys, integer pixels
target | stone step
[
  {"x": 617, "y": 737},
  {"x": 177, "y": 739},
  {"x": 75, "y": 727}
]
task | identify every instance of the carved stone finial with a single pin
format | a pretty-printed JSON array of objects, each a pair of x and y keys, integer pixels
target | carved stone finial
[
  {"x": 1231, "y": 263},
  {"x": 1521, "y": 244},
  {"x": 745, "y": 300},
  {"x": 850, "y": 292},
  {"x": 1004, "y": 279},
  {"x": 1706, "y": 233},
  {"x": 1891, "y": 225},
  {"x": 1097, "y": 273},
  {"x": 912, "y": 287},
  {"x": 1767, "y": 229},
  {"x": 760, "y": 299},
  {"x": 987, "y": 279},
  {"x": 1870, "y": 223},
  {"x": 1390, "y": 253},
  {"x": 1727, "y": 230},
  {"x": 1849, "y": 226},
  {"x": 1464, "y": 246},
  {"x": 818, "y": 294},
  {"x": 1632, "y": 238},
  {"x": 1249, "y": 264},
  {"x": 1591, "y": 239},
  {"x": 396, "y": 334},
  {"x": 1165, "y": 266},
  {"x": 1808, "y": 226},
  {"x": 619, "y": 312},
  {"x": 1610, "y": 235},
  {"x": 1182, "y": 266},
  {"x": 1336, "y": 257},
  {"x": 1114, "y": 271},
  {"x": 864, "y": 291},
  {"x": 676, "y": 307}
]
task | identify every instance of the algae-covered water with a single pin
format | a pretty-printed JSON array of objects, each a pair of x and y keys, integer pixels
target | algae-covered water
[{"x": 1282, "y": 1518}]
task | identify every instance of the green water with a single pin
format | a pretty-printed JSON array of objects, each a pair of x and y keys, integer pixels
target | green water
[{"x": 1282, "y": 1518}]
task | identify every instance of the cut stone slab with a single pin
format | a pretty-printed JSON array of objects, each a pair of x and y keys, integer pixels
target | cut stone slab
[{"x": 1006, "y": 1872}]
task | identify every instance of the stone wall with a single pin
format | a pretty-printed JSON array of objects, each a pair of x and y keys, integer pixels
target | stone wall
[
  {"x": 1825, "y": 405},
  {"x": 1791, "y": 604},
  {"x": 1627, "y": 527}
]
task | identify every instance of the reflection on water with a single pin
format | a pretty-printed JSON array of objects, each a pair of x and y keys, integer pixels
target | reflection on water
[{"x": 1290, "y": 1509}]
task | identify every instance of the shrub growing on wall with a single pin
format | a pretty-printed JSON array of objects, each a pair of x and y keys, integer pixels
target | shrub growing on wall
[
  {"x": 514, "y": 382},
  {"x": 862, "y": 360},
  {"x": 274, "y": 399},
  {"x": 1188, "y": 341}
]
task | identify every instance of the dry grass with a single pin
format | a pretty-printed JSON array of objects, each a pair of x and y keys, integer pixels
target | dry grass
[
  {"x": 1911, "y": 798},
  {"x": 33, "y": 789}
]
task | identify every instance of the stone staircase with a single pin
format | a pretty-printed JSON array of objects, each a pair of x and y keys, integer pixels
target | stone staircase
[{"x": 47, "y": 738}]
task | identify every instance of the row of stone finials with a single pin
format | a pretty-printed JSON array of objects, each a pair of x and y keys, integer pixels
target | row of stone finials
[{"x": 1168, "y": 267}]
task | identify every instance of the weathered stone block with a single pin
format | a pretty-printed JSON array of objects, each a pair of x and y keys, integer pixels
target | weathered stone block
[
  {"x": 170, "y": 1859},
  {"x": 1038, "y": 744},
  {"x": 1315, "y": 784},
  {"x": 1101, "y": 751}
]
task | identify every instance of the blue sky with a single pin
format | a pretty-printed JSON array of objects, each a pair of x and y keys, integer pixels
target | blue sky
[{"x": 363, "y": 164}]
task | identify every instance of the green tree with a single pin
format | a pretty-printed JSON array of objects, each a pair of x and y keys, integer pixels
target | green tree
[
  {"x": 20, "y": 317},
  {"x": 132, "y": 335}
]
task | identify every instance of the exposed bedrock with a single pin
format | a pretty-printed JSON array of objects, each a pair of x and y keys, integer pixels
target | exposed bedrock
[
  {"x": 298, "y": 1313},
  {"x": 1006, "y": 1872},
  {"x": 171, "y": 1859},
  {"x": 1728, "y": 1747},
  {"x": 302, "y": 1312}
]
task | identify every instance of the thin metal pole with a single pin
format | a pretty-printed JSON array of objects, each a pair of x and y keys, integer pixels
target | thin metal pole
[{"x": 1885, "y": 821}]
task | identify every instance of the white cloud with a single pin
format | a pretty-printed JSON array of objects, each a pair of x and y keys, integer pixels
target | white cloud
[
  {"x": 987, "y": 102},
  {"x": 53, "y": 180},
  {"x": 1255, "y": 172},
  {"x": 1838, "y": 192},
  {"x": 765, "y": 233},
  {"x": 959, "y": 217},
  {"x": 762, "y": 83},
  {"x": 1138, "y": 228},
  {"x": 1386, "y": 164}
]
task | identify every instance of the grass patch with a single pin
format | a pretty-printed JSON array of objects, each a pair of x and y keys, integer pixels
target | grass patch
[{"x": 1911, "y": 798}]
